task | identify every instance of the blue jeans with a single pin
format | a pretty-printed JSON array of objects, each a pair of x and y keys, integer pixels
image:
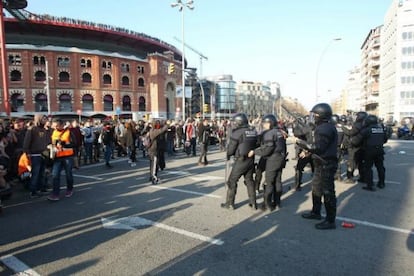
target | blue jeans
[
  {"x": 65, "y": 163},
  {"x": 37, "y": 181},
  {"x": 108, "y": 152},
  {"x": 88, "y": 152}
]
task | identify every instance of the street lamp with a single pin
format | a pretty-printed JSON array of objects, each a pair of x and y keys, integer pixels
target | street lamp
[
  {"x": 181, "y": 7},
  {"x": 319, "y": 65}
]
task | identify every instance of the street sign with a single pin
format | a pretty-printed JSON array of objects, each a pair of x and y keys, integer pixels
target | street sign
[{"x": 118, "y": 110}]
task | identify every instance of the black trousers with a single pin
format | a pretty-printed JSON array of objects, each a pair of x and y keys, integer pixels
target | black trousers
[
  {"x": 203, "y": 153},
  {"x": 241, "y": 168},
  {"x": 375, "y": 157},
  {"x": 323, "y": 185}
]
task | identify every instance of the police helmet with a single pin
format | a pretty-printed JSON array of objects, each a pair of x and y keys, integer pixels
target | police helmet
[
  {"x": 371, "y": 120},
  {"x": 270, "y": 118},
  {"x": 335, "y": 119},
  {"x": 240, "y": 120},
  {"x": 343, "y": 119},
  {"x": 360, "y": 116},
  {"x": 322, "y": 111}
]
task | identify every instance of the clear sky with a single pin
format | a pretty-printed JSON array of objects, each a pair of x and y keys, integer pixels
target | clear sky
[{"x": 253, "y": 40}]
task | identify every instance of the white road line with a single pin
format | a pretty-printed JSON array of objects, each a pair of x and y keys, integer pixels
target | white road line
[
  {"x": 182, "y": 191},
  {"x": 88, "y": 177},
  {"x": 376, "y": 225},
  {"x": 17, "y": 266},
  {"x": 128, "y": 223}
]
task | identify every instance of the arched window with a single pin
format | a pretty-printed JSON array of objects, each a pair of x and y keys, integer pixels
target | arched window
[
  {"x": 107, "y": 79},
  {"x": 40, "y": 76},
  {"x": 141, "y": 82},
  {"x": 108, "y": 103},
  {"x": 35, "y": 60},
  {"x": 83, "y": 63},
  {"x": 15, "y": 75},
  {"x": 125, "y": 80},
  {"x": 141, "y": 104},
  {"x": 41, "y": 102},
  {"x": 86, "y": 78},
  {"x": 17, "y": 103},
  {"x": 126, "y": 103},
  {"x": 65, "y": 103},
  {"x": 87, "y": 102},
  {"x": 88, "y": 63},
  {"x": 64, "y": 77},
  {"x": 42, "y": 60}
]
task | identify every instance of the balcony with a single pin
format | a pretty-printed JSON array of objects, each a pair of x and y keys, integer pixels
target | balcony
[{"x": 375, "y": 72}]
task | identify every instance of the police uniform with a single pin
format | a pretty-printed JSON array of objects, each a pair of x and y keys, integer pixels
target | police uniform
[
  {"x": 324, "y": 154},
  {"x": 273, "y": 150},
  {"x": 372, "y": 138},
  {"x": 242, "y": 140},
  {"x": 355, "y": 153},
  {"x": 302, "y": 131}
]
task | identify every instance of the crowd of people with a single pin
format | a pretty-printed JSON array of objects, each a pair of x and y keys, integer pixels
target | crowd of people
[{"x": 34, "y": 152}]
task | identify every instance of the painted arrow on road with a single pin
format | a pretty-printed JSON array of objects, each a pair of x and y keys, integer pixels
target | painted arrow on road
[{"x": 129, "y": 223}]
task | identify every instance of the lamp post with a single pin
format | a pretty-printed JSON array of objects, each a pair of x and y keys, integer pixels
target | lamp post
[
  {"x": 181, "y": 7},
  {"x": 319, "y": 65}
]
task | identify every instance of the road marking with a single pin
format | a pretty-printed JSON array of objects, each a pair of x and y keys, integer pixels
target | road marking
[
  {"x": 376, "y": 225},
  {"x": 182, "y": 191},
  {"x": 88, "y": 177},
  {"x": 17, "y": 266},
  {"x": 129, "y": 223}
]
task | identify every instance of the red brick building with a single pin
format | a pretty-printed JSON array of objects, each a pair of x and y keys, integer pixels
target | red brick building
[{"x": 91, "y": 68}]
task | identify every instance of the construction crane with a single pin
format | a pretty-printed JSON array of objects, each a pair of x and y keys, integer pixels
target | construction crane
[{"x": 195, "y": 51}]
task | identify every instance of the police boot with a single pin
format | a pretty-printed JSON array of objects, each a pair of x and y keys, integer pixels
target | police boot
[
  {"x": 329, "y": 222},
  {"x": 229, "y": 204},
  {"x": 316, "y": 209},
  {"x": 276, "y": 199},
  {"x": 267, "y": 199},
  {"x": 298, "y": 180}
]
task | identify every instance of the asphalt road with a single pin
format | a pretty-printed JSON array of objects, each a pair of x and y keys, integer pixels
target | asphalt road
[{"x": 118, "y": 224}]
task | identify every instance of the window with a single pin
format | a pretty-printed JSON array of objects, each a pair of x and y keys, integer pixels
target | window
[
  {"x": 107, "y": 79},
  {"x": 87, "y": 102},
  {"x": 41, "y": 103},
  {"x": 141, "y": 104},
  {"x": 17, "y": 103},
  {"x": 63, "y": 62},
  {"x": 126, "y": 103},
  {"x": 64, "y": 77},
  {"x": 15, "y": 59},
  {"x": 85, "y": 63},
  {"x": 35, "y": 60},
  {"x": 108, "y": 103},
  {"x": 141, "y": 82},
  {"x": 65, "y": 103},
  {"x": 40, "y": 76},
  {"x": 86, "y": 78},
  {"x": 124, "y": 67},
  {"x": 42, "y": 60},
  {"x": 125, "y": 80},
  {"x": 15, "y": 75},
  {"x": 106, "y": 64},
  {"x": 140, "y": 69}
]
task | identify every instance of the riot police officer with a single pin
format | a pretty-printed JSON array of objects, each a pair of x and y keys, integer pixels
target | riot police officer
[
  {"x": 303, "y": 131},
  {"x": 242, "y": 140},
  {"x": 372, "y": 138},
  {"x": 273, "y": 150},
  {"x": 355, "y": 153},
  {"x": 337, "y": 121},
  {"x": 324, "y": 154}
]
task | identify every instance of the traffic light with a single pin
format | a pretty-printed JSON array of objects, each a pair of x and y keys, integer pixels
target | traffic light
[
  {"x": 205, "y": 108},
  {"x": 171, "y": 68}
]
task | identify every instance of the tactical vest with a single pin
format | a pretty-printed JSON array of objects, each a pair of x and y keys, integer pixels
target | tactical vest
[
  {"x": 247, "y": 142},
  {"x": 376, "y": 136}
]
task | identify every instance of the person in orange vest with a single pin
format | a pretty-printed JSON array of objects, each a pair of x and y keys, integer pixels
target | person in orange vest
[{"x": 63, "y": 143}]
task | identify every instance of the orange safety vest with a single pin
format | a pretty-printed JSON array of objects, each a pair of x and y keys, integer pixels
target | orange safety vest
[{"x": 64, "y": 136}]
